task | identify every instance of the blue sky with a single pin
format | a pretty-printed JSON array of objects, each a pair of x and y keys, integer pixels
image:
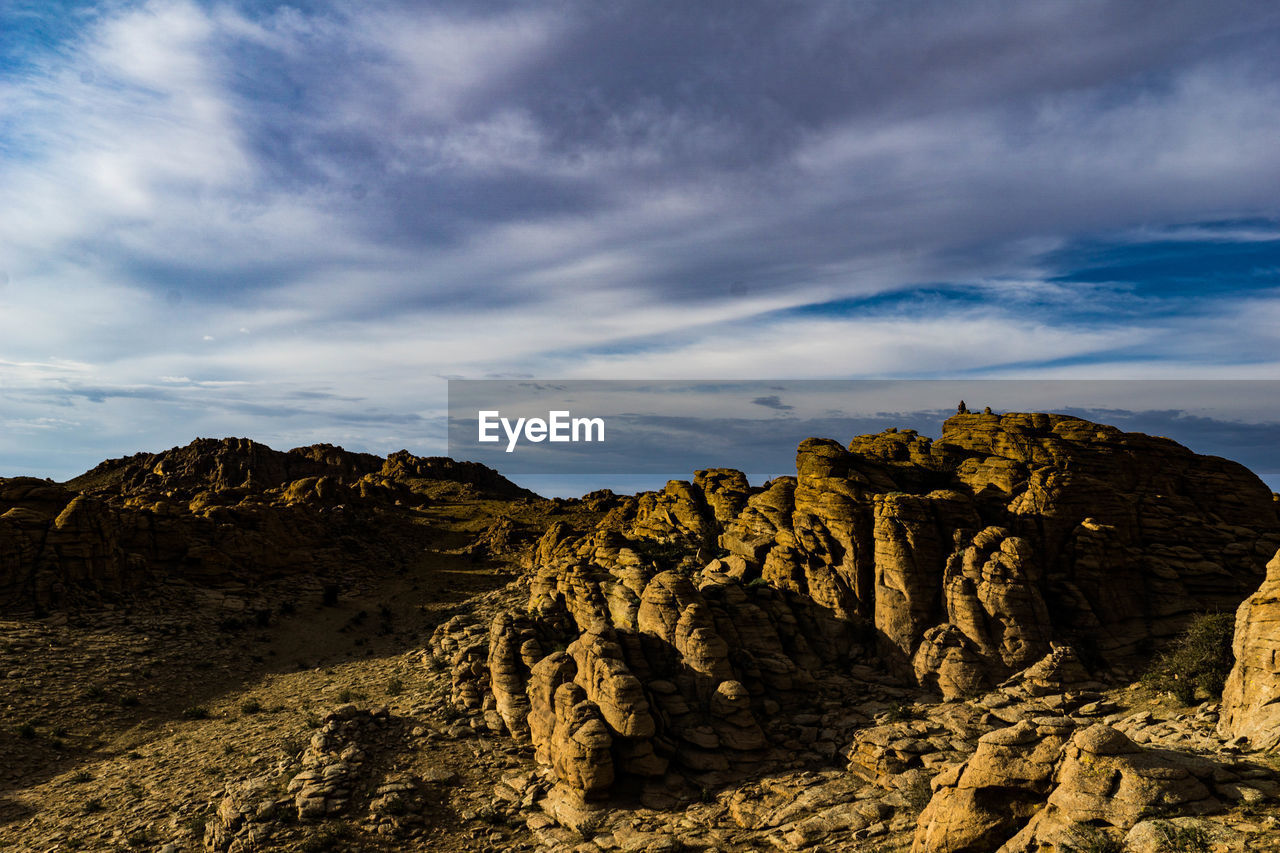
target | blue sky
[{"x": 294, "y": 222}]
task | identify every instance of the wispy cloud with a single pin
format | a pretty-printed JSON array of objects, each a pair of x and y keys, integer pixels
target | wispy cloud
[{"x": 291, "y": 221}]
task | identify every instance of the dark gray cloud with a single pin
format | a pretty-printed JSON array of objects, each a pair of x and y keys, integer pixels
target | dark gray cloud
[
  {"x": 772, "y": 401},
  {"x": 959, "y": 122}
]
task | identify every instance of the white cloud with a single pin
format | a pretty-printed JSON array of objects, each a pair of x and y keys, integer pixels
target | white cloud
[
  {"x": 214, "y": 213},
  {"x": 441, "y": 62}
]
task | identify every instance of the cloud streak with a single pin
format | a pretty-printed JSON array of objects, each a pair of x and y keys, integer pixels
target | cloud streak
[{"x": 313, "y": 213}]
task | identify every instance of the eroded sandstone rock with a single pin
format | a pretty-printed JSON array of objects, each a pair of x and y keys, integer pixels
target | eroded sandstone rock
[
  {"x": 1249, "y": 701},
  {"x": 979, "y": 559},
  {"x": 1105, "y": 780},
  {"x": 980, "y": 803}
]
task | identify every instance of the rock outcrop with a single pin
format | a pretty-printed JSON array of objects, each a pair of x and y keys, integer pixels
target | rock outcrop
[
  {"x": 980, "y": 803},
  {"x": 1250, "y": 706},
  {"x": 1105, "y": 781},
  {"x": 657, "y": 683},
  {"x": 341, "y": 773},
  {"x": 218, "y": 512},
  {"x": 54, "y": 541},
  {"x": 956, "y": 548},
  {"x": 332, "y": 763},
  {"x": 695, "y": 616},
  {"x": 218, "y": 465},
  {"x": 1040, "y": 785}
]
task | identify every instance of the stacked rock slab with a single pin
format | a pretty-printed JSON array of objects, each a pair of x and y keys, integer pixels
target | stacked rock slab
[
  {"x": 1249, "y": 700},
  {"x": 513, "y": 650},
  {"x": 332, "y": 762}
]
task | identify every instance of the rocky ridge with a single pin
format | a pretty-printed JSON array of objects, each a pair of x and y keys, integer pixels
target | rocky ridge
[
  {"x": 214, "y": 512},
  {"x": 911, "y": 644}
]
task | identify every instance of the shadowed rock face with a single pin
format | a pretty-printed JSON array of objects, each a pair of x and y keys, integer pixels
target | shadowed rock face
[
  {"x": 53, "y": 539},
  {"x": 695, "y": 616},
  {"x": 215, "y": 511},
  {"x": 219, "y": 465}
]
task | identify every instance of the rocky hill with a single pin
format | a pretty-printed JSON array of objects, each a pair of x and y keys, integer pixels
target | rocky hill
[
  {"x": 240, "y": 464},
  {"x": 217, "y": 512},
  {"x": 934, "y": 645}
]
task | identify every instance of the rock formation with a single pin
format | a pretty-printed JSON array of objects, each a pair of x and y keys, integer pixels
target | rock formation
[
  {"x": 709, "y": 666},
  {"x": 1249, "y": 701},
  {"x": 220, "y": 512},
  {"x": 980, "y": 803},
  {"x": 237, "y": 463},
  {"x": 1045, "y": 785},
  {"x": 1016, "y": 544},
  {"x": 53, "y": 540},
  {"x": 340, "y": 775},
  {"x": 1107, "y": 781}
]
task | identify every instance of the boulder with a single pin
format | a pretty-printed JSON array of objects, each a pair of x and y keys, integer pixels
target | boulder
[
  {"x": 979, "y": 804},
  {"x": 1107, "y": 781}
]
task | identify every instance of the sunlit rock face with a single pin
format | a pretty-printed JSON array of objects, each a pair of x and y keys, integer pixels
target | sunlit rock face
[
  {"x": 1249, "y": 700},
  {"x": 689, "y": 621}
]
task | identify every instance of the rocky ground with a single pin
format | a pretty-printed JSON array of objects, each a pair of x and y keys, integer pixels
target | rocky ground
[
  {"x": 152, "y": 731},
  {"x": 126, "y": 733},
  {"x": 911, "y": 645}
]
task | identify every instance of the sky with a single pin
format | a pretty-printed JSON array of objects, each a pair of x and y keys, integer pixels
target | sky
[{"x": 296, "y": 222}]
